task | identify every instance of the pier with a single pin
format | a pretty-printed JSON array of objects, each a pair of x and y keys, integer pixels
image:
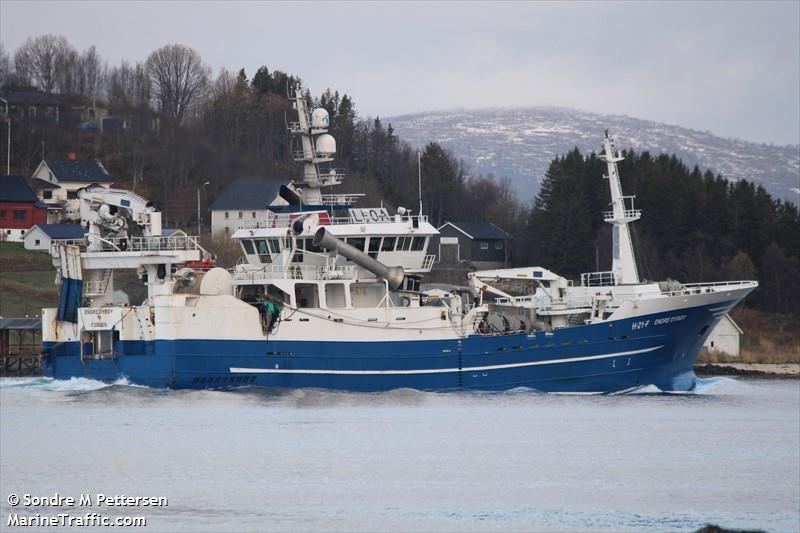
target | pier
[{"x": 20, "y": 347}]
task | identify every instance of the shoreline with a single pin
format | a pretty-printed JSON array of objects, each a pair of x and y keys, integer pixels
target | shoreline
[{"x": 759, "y": 370}]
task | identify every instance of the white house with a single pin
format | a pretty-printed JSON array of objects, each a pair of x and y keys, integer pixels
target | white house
[
  {"x": 58, "y": 182},
  {"x": 39, "y": 237},
  {"x": 724, "y": 338},
  {"x": 244, "y": 204}
]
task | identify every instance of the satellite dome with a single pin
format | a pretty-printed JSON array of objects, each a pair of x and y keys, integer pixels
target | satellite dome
[
  {"x": 320, "y": 118},
  {"x": 326, "y": 145}
]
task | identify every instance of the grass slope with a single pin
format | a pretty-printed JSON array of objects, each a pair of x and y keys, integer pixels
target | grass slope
[{"x": 27, "y": 282}]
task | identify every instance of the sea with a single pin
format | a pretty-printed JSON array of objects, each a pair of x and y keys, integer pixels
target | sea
[{"x": 311, "y": 460}]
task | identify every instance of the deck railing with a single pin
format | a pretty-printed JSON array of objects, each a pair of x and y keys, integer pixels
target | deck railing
[
  {"x": 597, "y": 279},
  {"x": 715, "y": 286},
  {"x": 282, "y": 220},
  {"x": 175, "y": 243},
  {"x": 295, "y": 272}
]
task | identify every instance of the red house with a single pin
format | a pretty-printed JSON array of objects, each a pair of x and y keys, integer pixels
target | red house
[{"x": 20, "y": 209}]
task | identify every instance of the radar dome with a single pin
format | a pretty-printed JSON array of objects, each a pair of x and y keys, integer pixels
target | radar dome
[
  {"x": 320, "y": 119},
  {"x": 326, "y": 145}
]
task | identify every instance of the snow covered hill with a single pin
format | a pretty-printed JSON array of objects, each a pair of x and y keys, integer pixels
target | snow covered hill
[{"x": 520, "y": 143}]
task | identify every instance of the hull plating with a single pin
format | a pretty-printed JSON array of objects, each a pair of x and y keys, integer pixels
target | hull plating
[{"x": 604, "y": 357}]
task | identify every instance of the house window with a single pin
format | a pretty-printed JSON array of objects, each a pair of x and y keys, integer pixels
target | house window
[
  {"x": 484, "y": 245},
  {"x": 47, "y": 195},
  {"x": 32, "y": 111},
  {"x": 37, "y": 242},
  {"x": 72, "y": 195},
  {"x": 240, "y": 215},
  {"x": 226, "y": 215},
  {"x": 19, "y": 214},
  {"x": 2, "y": 213},
  {"x": 498, "y": 245}
]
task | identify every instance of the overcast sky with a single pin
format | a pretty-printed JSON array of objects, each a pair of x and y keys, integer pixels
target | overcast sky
[{"x": 731, "y": 68}]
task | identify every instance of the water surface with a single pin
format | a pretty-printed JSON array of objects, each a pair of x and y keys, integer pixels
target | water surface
[{"x": 407, "y": 460}]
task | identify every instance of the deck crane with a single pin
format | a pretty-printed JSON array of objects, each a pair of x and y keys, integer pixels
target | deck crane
[{"x": 103, "y": 212}]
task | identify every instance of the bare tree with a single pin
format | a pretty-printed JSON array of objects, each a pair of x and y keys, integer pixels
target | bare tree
[
  {"x": 121, "y": 86},
  {"x": 41, "y": 61},
  {"x": 92, "y": 70},
  {"x": 5, "y": 66},
  {"x": 178, "y": 79},
  {"x": 128, "y": 86},
  {"x": 67, "y": 70}
]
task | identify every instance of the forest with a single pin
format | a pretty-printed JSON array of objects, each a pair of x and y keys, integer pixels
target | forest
[{"x": 185, "y": 127}]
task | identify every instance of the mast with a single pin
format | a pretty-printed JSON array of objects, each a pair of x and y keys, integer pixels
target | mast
[
  {"x": 317, "y": 146},
  {"x": 624, "y": 262}
]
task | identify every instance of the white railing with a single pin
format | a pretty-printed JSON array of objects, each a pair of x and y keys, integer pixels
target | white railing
[
  {"x": 149, "y": 244},
  {"x": 340, "y": 199},
  {"x": 327, "y": 180},
  {"x": 427, "y": 263},
  {"x": 295, "y": 272},
  {"x": 545, "y": 304},
  {"x": 295, "y": 127},
  {"x": 628, "y": 214},
  {"x": 133, "y": 244},
  {"x": 283, "y": 220},
  {"x": 717, "y": 286},
  {"x": 597, "y": 279}
]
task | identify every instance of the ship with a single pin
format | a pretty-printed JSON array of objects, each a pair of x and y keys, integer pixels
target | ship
[{"x": 329, "y": 295}]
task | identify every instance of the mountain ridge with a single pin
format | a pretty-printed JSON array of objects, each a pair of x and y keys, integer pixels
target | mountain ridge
[{"x": 519, "y": 143}]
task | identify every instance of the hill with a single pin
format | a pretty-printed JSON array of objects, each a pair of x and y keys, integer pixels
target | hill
[{"x": 520, "y": 143}]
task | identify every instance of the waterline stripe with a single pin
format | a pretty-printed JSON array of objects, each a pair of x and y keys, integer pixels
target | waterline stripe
[{"x": 237, "y": 370}]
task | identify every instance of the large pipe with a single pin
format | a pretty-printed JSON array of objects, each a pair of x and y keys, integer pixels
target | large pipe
[{"x": 393, "y": 275}]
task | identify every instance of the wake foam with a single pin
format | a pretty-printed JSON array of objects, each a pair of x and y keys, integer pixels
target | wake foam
[{"x": 63, "y": 385}]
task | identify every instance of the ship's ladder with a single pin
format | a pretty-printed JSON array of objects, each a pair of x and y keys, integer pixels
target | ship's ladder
[{"x": 98, "y": 287}]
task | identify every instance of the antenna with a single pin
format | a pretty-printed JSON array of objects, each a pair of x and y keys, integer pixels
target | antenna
[{"x": 419, "y": 172}]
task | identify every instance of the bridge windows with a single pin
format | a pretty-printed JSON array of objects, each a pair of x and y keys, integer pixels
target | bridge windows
[
  {"x": 374, "y": 247},
  {"x": 263, "y": 251},
  {"x": 388, "y": 244},
  {"x": 356, "y": 242}
]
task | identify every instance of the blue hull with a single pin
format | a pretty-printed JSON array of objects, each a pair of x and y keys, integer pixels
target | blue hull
[{"x": 604, "y": 357}]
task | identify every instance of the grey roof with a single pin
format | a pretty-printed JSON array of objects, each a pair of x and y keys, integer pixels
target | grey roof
[
  {"x": 44, "y": 184},
  {"x": 16, "y": 189},
  {"x": 20, "y": 323},
  {"x": 62, "y": 231},
  {"x": 91, "y": 171},
  {"x": 28, "y": 98},
  {"x": 247, "y": 194},
  {"x": 480, "y": 230}
]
